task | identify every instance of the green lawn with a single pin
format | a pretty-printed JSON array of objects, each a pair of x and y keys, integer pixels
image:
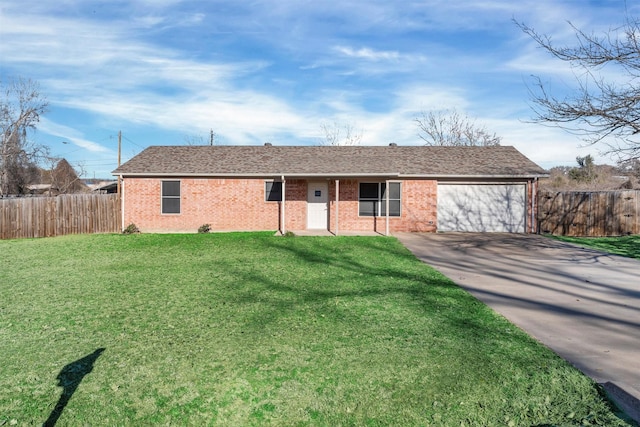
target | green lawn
[
  {"x": 253, "y": 329},
  {"x": 628, "y": 246}
]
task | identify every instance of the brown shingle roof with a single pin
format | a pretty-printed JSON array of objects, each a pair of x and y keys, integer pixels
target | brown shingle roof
[{"x": 334, "y": 161}]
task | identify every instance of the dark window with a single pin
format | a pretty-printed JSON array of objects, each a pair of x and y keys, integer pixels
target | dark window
[
  {"x": 370, "y": 190},
  {"x": 272, "y": 191},
  {"x": 170, "y": 197},
  {"x": 373, "y": 199}
]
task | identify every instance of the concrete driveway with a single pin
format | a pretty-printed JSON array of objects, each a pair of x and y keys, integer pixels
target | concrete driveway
[{"x": 581, "y": 303}]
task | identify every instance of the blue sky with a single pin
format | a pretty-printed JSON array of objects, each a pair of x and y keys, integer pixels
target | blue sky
[{"x": 166, "y": 72}]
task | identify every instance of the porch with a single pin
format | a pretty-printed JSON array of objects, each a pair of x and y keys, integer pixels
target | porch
[{"x": 327, "y": 233}]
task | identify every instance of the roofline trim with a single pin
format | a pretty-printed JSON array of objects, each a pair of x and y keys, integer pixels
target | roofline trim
[
  {"x": 257, "y": 175},
  {"x": 477, "y": 176},
  {"x": 328, "y": 175}
]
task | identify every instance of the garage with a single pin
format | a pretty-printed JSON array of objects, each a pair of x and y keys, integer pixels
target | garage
[{"x": 482, "y": 207}]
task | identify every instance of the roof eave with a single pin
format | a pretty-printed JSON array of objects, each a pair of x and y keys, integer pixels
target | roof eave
[
  {"x": 331, "y": 175},
  {"x": 257, "y": 175},
  {"x": 473, "y": 176}
]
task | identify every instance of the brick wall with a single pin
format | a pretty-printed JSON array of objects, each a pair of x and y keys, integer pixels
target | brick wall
[
  {"x": 226, "y": 204},
  {"x": 238, "y": 204},
  {"x": 417, "y": 212},
  {"x": 296, "y": 204}
]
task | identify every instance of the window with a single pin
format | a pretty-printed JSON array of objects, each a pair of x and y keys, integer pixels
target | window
[
  {"x": 373, "y": 199},
  {"x": 170, "y": 197},
  {"x": 272, "y": 191}
]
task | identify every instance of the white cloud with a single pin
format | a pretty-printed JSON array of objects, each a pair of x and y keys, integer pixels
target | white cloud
[
  {"x": 367, "y": 53},
  {"x": 416, "y": 98},
  {"x": 545, "y": 145},
  {"x": 71, "y": 135},
  {"x": 148, "y": 21},
  {"x": 262, "y": 70},
  {"x": 534, "y": 61}
]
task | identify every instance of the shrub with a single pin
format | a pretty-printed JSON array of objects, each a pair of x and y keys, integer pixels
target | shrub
[
  {"x": 204, "y": 228},
  {"x": 131, "y": 229},
  {"x": 289, "y": 234}
]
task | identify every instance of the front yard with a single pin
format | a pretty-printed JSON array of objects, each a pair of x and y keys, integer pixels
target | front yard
[
  {"x": 628, "y": 246},
  {"x": 252, "y": 329}
]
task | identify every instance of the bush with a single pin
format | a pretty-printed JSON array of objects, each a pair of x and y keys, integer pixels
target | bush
[
  {"x": 204, "y": 228},
  {"x": 289, "y": 234},
  {"x": 131, "y": 229}
]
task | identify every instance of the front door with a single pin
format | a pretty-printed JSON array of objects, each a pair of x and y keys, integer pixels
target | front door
[{"x": 317, "y": 198}]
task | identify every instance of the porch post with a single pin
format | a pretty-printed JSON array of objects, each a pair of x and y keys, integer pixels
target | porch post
[
  {"x": 337, "y": 205},
  {"x": 121, "y": 195},
  {"x": 283, "y": 219},
  {"x": 386, "y": 200}
]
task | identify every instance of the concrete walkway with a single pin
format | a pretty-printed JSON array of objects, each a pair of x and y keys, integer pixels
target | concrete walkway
[{"x": 583, "y": 304}]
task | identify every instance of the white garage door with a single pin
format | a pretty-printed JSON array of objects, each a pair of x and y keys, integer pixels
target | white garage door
[{"x": 482, "y": 207}]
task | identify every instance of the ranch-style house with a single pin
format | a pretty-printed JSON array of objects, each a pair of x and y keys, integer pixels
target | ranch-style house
[{"x": 338, "y": 189}]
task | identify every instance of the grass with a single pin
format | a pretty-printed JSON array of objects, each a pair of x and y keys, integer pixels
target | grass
[
  {"x": 252, "y": 329},
  {"x": 628, "y": 246}
]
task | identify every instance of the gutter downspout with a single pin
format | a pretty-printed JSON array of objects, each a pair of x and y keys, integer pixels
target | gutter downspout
[
  {"x": 121, "y": 194},
  {"x": 283, "y": 227},
  {"x": 337, "y": 205}
]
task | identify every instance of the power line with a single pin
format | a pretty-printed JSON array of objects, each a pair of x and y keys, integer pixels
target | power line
[{"x": 133, "y": 142}]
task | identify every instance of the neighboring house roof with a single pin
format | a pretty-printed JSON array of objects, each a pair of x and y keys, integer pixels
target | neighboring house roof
[
  {"x": 63, "y": 178},
  {"x": 105, "y": 186},
  {"x": 331, "y": 161},
  {"x": 39, "y": 188}
]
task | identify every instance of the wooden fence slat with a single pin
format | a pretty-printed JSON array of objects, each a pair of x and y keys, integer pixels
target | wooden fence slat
[
  {"x": 55, "y": 216},
  {"x": 589, "y": 214}
]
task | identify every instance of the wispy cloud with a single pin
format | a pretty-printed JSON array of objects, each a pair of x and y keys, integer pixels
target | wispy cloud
[
  {"x": 367, "y": 53},
  {"x": 266, "y": 70},
  {"x": 69, "y": 134}
]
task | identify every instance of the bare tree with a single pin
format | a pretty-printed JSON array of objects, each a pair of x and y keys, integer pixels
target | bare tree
[
  {"x": 600, "y": 109},
  {"x": 588, "y": 176},
  {"x": 194, "y": 140},
  {"x": 630, "y": 167},
  {"x": 449, "y": 128},
  {"x": 200, "y": 140},
  {"x": 64, "y": 178},
  {"x": 21, "y": 105},
  {"x": 340, "y": 134}
]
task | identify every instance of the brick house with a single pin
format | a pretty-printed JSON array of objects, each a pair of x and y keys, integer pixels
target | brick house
[{"x": 381, "y": 189}]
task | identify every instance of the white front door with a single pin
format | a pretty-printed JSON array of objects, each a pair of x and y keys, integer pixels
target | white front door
[{"x": 317, "y": 197}]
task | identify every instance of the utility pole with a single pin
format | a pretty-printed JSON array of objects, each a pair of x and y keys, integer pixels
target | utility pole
[{"x": 212, "y": 137}]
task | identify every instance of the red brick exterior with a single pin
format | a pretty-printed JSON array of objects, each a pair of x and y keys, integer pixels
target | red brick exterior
[
  {"x": 225, "y": 204},
  {"x": 239, "y": 205},
  {"x": 417, "y": 208}
]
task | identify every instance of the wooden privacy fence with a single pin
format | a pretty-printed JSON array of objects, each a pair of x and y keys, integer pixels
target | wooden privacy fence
[
  {"x": 589, "y": 214},
  {"x": 55, "y": 216}
]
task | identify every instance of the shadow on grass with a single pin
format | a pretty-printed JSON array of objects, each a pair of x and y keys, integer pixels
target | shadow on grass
[
  {"x": 627, "y": 246},
  {"x": 435, "y": 294},
  {"x": 69, "y": 379}
]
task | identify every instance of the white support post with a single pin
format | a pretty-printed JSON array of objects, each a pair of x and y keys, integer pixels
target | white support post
[
  {"x": 337, "y": 205},
  {"x": 283, "y": 219},
  {"x": 121, "y": 195},
  {"x": 386, "y": 233}
]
